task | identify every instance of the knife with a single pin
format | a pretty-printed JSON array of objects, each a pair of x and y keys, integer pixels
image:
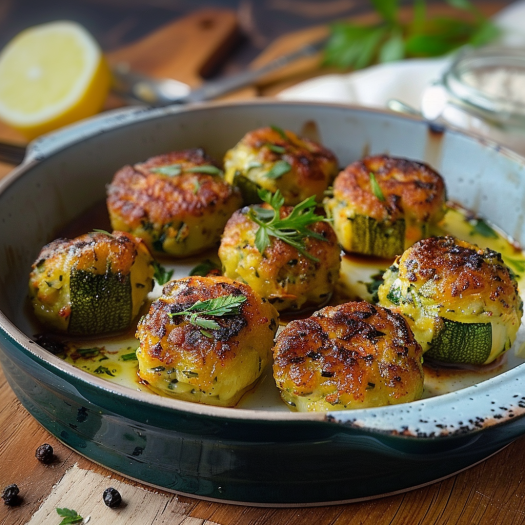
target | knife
[{"x": 138, "y": 88}]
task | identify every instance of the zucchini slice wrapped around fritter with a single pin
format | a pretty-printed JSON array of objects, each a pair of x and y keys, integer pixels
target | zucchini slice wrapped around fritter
[
  {"x": 382, "y": 205},
  {"x": 206, "y": 339},
  {"x": 273, "y": 159},
  {"x": 462, "y": 302},
  {"x": 354, "y": 355},
  {"x": 290, "y": 278},
  {"x": 177, "y": 202},
  {"x": 90, "y": 285}
]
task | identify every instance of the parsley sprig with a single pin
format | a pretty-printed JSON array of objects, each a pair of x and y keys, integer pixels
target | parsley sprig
[
  {"x": 292, "y": 229},
  {"x": 218, "y": 307},
  {"x": 161, "y": 275},
  {"x": 394, "y": 38},
  {"x": 69, "y": 516}
]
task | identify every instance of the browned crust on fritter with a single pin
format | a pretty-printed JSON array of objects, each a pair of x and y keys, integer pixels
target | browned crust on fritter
[
  {"x": 279, "y": 254},
  {"x": 119, "y": 248},
  {"x": 459, "y": 268},
  {"x": 136, "y": 193},
  {"x": 310, "y": 161},
  {"x": 177, "y": 336},
  {"x": 342, "y": 345},
  {"x": 409, "y": 187}
]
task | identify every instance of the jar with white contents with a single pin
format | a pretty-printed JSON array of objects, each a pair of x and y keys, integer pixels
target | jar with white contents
[{"x": 486, "y": 94}]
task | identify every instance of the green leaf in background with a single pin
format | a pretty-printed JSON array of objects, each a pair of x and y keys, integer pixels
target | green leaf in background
[
  {"x": 356, "y": 46},
  {"x": 205, "y": 267},
  {"x": 388, "y": 9},
  {"x": 393, "y": 48}
]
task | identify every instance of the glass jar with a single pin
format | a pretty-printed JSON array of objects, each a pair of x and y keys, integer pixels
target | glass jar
[{"x": 486, "y": 94}]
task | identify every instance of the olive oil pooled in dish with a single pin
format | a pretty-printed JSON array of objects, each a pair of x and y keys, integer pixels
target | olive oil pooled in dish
[{"x": 113, "y": 358}]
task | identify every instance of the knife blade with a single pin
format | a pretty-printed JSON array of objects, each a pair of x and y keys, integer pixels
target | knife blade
[{"x": 136, "y": 87}]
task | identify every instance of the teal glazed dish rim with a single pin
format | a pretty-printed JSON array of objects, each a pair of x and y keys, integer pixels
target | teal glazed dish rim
[{"x": 263, "y": 456}]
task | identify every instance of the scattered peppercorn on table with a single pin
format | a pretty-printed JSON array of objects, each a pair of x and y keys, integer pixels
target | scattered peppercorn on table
[{"x": 54, "y": 477}]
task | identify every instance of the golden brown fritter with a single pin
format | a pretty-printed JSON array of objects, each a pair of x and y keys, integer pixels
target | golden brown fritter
[
  {"x": 184, "y": 357},
  {"x": 306, "y": 168},
  {"x": 409, "y": 197},
  {"x": 443, "y": 278},
  {"x": 93, "y": 284},
  {"x": 354, "y": 355},
  {"x": 284, "y": 276},
  {"x": 177, "y": 209}
]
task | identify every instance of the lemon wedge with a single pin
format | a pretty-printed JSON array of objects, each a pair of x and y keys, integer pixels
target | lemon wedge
[{"x": 51, "y": 75}]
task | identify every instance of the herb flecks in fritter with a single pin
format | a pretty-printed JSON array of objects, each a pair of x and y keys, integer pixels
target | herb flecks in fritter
[
  {"x": 462, "y": 302},
  {"x": 90, "y": 285},
  {"x": 177, "y": 202},
  {"x": 381, "y": 205},
  {"x": 290, "y": 256},
  {"x": 206, "y": 339},
  {"x": 355, "y": 355},
  {"x": 274, "y": 159}
]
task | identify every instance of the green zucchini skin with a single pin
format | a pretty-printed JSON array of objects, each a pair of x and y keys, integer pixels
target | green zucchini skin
[
  {"x": 378, "y": 238},
  {"x": 468, "y": 343},
  {"x": 381, "y": 205},
  {"x": 93, "y": 284},
  {"x": 100, "y": 303},
  {"x": 462, "y": 302}
]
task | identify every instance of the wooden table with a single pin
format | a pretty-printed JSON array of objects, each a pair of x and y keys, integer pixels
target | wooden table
[{"x": 492, "y": 492}]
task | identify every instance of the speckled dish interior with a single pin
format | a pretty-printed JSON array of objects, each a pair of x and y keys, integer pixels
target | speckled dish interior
[{"x": 258, "y": 457}]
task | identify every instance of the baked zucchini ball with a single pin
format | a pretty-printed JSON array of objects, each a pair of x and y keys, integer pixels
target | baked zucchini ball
[
  {"x": 274, "y": 159},
  {"x": 90, "y": 285},
  {"x": 462, "y": 302},
  {"x": 288, "y": 255},
  {"x": 177, "y": 202},
  {"x": 382, "y": 205},
  {"x": 206, "y": 339},
  {"x": 354, "y": 355}
]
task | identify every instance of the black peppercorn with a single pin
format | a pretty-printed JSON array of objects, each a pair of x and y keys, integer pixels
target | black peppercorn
[
  {"x": 112, "y": 497},
  {"x": 44, "y": 453},
  {"x": 10, "y": 495}
]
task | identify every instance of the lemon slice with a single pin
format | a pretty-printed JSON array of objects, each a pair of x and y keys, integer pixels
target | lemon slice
[{"x": 51, "y": 75}]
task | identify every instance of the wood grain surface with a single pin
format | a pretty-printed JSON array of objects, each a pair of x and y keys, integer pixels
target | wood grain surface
[{"x": 490, "y": 493}]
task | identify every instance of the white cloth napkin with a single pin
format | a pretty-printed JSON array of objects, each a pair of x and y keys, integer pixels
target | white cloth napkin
[{"x": 406, "y": 80}]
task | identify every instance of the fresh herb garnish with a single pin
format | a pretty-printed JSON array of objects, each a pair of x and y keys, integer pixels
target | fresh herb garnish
[
  {"x": 280, "y": 131},
  {"x": 161, "y": 275},
  {"x": 69, "y": 516},
  {"x": 482, "y": 228},
  {"x": 275, "y": 148},
  {"x": 376, "y": 190},
  {"x": 372, "y": 286},
  {"x": 172, "y": 170},
  {"x": 292, "y": 229},
  {"x": 395, "y": 37},
  {"x": 208, "y": 168},
  {"x": 218, "y": 307},
  {"x": 205, "y": 267},
  {"x": 88, "y": 352},
  {"x": 96, "y": 230},
  {"x": 103, "y": 370},
  {"x": 252, "y": 165},
  {"x": 132, "y": 356},
  {"x": 279, "y": 169}
]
